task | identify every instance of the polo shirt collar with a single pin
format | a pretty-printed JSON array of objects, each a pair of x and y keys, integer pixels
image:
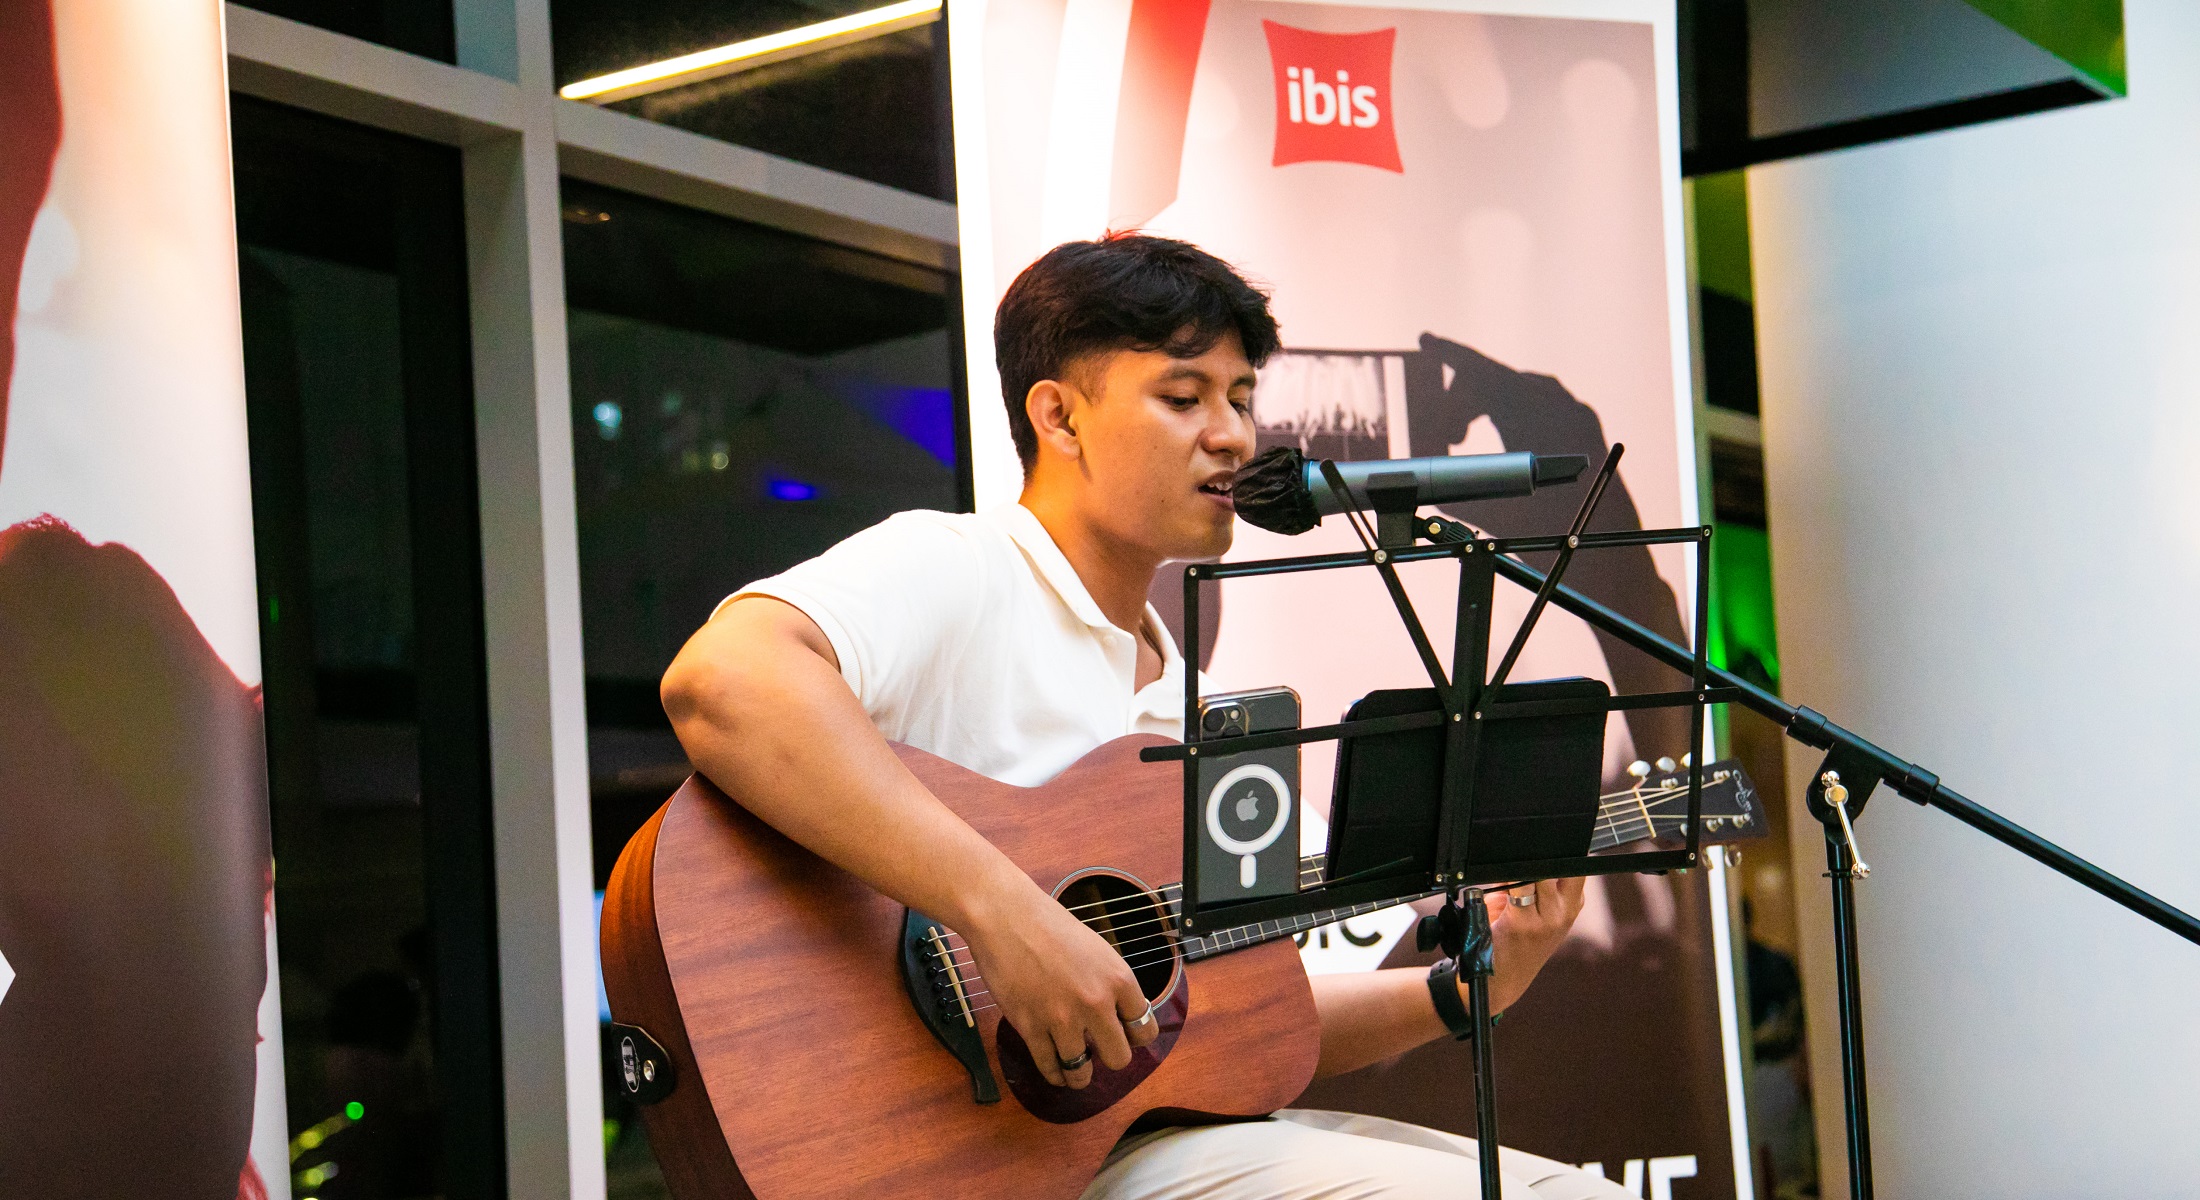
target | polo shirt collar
[{"x": 1046, "y": 557}]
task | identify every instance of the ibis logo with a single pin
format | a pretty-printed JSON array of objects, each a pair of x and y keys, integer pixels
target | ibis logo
[{"x": 1333, "y": 97}]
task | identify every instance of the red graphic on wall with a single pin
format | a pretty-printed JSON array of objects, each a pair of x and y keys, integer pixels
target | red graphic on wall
[
  {"x": 30, "y": 93},
  {"x": 1160, "y": 57},
  {"x": 1333, "y": 98}
]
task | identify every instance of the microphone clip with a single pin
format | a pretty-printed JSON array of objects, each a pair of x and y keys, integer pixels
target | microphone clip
[{"x": 1395, "y": 496}]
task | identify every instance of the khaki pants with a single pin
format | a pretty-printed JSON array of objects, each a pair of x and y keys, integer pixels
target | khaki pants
[{"x": 1306, "y": 1155}]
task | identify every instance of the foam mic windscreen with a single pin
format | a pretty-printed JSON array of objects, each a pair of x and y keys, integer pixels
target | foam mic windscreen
[{"x": 1270, "y": 492}]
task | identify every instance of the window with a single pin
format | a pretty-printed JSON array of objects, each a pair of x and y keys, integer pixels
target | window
[
  {"x": 874, "y": 108},
  {"x": 358, "y": 369},
  {"x": 421, "y": 27},
  {"x": 742, "y": 399}
]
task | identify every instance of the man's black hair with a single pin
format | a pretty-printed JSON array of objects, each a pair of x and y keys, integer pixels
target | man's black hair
[{"x": 1125, "y": 291}]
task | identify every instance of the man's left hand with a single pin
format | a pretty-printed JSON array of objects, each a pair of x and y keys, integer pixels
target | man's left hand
[{"x": 1527, "y": 934}]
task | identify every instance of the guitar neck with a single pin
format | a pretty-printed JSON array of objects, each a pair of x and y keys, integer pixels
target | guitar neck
[
  {"x": 1222, "y": 941},
  {"x": 1622, "y": 817}
]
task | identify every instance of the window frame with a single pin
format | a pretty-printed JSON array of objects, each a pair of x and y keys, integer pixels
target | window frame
[{"x": 498, "y": 106}]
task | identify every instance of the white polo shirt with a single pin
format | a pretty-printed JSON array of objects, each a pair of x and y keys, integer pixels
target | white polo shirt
[{"x": 968, "y": 635}]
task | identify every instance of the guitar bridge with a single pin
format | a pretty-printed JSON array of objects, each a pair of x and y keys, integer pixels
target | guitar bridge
[{"x": 941, "y": 995}]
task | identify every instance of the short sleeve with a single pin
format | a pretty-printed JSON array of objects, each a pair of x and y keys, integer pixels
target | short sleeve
[{"x": 894, "y": 600}]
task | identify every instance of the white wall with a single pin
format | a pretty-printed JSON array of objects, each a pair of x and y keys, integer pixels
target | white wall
[{"x": 1981, "y": 378}]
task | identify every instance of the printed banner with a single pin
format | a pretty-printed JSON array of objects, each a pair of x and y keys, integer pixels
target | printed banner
[
  {"x": 1469, "y": 214},
  {"x": 140, "y": 1045}
]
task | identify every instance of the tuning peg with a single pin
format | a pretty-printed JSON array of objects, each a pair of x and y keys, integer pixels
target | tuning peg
[
  {"x": 1639, "y": 769},
  {"x": 1688, "y": 760},
  {"x": 1666, "y": 764}
]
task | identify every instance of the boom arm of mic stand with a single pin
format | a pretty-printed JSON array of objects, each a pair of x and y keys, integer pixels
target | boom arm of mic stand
[{"x": 1812, "y": 729}]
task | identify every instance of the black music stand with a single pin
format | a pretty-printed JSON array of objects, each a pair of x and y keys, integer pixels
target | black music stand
[{"x": 1469, "y": 701}]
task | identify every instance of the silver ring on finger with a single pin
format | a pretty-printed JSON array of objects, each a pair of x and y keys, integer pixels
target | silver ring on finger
[
  {"x": 1144, "y": 1019},
  {"x": 1071, "y": 1064},
  {"x": 1527, "y": 901}
]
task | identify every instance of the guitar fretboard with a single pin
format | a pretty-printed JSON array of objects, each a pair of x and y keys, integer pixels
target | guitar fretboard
[
  {"x": 1223, "y": 941},
  {"x": 1622, "y": 817}
]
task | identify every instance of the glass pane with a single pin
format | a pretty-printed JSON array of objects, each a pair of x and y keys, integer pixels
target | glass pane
[
  {"x": 421, "y": 27},
  {"x": 874, "y": 109},
  {"x": 351, "y": 261},
  {"x": 742, "y": 399}
]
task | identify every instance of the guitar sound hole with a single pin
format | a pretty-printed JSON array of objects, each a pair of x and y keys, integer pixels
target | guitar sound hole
[{"x": 1132, "y": 920}]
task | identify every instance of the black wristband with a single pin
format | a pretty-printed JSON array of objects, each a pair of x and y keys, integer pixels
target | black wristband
[{"x": 1443, "y": 990}]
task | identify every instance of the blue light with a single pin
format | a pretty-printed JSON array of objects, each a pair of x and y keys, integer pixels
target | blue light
[
  {"x": 603, "y": 998},
  {"x": 791, "y": 489},
  {"x": 925, "y": 416},
  {"x": 608, "y": 419}
]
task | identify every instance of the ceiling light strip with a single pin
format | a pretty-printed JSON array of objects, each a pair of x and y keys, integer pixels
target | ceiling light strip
[{"x": 756, "y": 52}]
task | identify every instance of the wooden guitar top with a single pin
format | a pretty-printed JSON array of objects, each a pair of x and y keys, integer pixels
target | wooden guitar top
[{"x": 773, "y": 980}]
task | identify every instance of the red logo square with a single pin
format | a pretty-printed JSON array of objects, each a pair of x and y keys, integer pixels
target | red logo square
[{"x": 1333, "y": 101}]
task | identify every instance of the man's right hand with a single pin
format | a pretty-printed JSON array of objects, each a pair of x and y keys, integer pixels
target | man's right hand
[{"x": 1063, "y": 987}]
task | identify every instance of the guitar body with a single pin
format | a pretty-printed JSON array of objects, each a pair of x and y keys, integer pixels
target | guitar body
[{"x": 803, "y": 1070}]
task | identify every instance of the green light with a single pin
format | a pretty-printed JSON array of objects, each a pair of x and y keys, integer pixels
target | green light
[
  {"x": 2087, "y": 34},
  {"x": 1743, "y": 635},
  {"x": 355, "y": 1110},
  {"x": 1722, "y": 235}
]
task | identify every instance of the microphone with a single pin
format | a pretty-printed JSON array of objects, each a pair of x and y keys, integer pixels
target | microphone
[{"x": 1282, "y": 492}]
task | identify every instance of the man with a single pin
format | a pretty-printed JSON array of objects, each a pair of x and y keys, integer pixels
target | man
[{"x": 1015, "y": 641}]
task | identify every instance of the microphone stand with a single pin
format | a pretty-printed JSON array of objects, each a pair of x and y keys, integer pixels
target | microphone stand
[{"x": 1845, "y": 779}]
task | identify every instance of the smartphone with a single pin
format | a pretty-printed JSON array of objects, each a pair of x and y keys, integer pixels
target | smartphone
[
  {"x": 1236, "y": 713},
  {"x": 1249, "y": 843}
]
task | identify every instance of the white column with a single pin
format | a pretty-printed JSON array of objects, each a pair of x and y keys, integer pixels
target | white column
[
  {"x": 546, "y": 929},
  {"x": 1981, "y": 379}
]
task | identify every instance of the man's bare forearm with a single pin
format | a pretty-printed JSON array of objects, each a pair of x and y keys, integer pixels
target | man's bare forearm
[
  {"x": 758, "y": 702},
  {"x": 1373, "y": 1015},
  {"x": 1369, "y": 1016}
]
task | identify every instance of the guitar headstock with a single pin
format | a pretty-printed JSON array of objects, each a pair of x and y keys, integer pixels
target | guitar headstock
[{"x": 1656, "y": 806}]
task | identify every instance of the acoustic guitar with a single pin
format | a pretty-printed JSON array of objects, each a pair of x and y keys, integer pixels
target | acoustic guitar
[{"x": 804, "y": 1037}]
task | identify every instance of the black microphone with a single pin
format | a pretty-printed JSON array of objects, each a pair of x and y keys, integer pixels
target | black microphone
[{"x": 1282, "y": 492}]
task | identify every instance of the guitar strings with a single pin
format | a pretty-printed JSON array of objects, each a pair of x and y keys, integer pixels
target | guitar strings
[
  {"x": 1146, "y": 957},
  {"x": 1611, "y": 811},
  {"x": 1171, "y": 943},
  {"x": 1140, "y": 958},
  {"x": 1610, "y": 820},
  {"x": 1169, "y": 949},
  {"x": 1307, "y": 866},
  {"x": 1615, "y": 811},
  {"x": 1129, "y": 904},
  {"x": 1175, "y": 945}
]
